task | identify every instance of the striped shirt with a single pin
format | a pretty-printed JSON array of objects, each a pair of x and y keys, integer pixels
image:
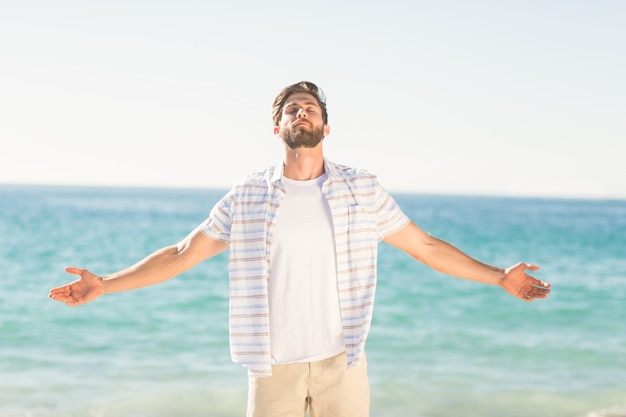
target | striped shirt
[{"x": 363, "y": 214}]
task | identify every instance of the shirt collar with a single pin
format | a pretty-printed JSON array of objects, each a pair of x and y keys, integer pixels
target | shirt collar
[{"x": 277, "y": 174}]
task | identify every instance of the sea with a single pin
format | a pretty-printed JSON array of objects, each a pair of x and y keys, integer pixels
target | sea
[{"x": 439, "y": 346}]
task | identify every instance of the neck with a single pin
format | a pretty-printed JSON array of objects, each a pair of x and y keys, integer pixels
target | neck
[{"x": 303, "y": 164}]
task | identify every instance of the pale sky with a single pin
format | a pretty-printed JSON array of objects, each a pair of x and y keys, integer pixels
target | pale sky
[{"x": 513, "y": 98}]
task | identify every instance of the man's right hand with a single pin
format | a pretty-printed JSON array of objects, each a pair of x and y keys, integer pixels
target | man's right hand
[{"x": 85, "y": 289}]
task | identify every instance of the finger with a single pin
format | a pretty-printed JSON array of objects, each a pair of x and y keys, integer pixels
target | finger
[
  {"x": 64, "y": 294},
  {"x": 541, "y": 285},
  {"x": 531, "y": 267},
  {"x": 536, "y": 292},
  {"x": 71, "y": 302},
  {"x": 61, "y": 293},
  {"x": 75, "y": 271},
  {"x": 63, "y": 290}
]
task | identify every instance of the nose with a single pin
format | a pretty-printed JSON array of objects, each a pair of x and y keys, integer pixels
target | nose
[{"x": 301, "y": 113}]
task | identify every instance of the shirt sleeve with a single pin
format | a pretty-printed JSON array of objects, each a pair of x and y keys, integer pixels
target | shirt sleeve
[
  {"x": 390, "y": 218},
  {"x": 218, "y": 225}
]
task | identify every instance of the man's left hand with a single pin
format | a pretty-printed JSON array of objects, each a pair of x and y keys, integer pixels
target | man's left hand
[{"x": 521, "y": 285}]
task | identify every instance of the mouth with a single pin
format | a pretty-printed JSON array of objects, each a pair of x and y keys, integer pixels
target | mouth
[{"x": 302, "y": 123}]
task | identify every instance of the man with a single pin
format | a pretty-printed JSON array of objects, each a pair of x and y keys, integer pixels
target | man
[{"x": 303, "y": 239}]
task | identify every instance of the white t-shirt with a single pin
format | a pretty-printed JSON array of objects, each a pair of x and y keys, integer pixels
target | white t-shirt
[{"x": 305, "y": 319}]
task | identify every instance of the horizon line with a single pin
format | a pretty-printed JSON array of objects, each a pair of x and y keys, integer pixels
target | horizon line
[{"x": 391, "y": 190}]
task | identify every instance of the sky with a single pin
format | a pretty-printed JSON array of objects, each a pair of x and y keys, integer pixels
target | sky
[{"x": 502, "y": 98}]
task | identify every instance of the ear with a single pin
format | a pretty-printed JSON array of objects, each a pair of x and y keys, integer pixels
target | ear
[
  {"x": 276, "y": 130},
  {"x": 326, "y": 130}
]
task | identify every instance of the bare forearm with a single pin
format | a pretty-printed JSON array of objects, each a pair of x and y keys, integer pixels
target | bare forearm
[
  {"x": 445, "y": 258},
  {"x": 165, "y": 263},
  {"x": 161, "y": 265},
  {"x": 442, "y": 256},
  {"x": 155, "y": 268}
]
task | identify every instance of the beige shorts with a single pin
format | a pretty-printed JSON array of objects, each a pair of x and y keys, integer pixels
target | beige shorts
[{"x": 326, "y": 387}]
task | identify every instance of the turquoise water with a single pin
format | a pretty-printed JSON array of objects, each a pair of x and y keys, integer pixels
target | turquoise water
[{"x": 439, "y": 347}]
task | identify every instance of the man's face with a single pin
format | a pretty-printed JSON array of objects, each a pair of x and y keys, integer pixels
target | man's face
[{"x": 301, "y": 124}]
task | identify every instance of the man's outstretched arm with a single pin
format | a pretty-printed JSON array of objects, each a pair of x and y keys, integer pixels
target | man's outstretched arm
[
  {"x": 157, "y": 267},
  {"x": 445, "y": 258}
]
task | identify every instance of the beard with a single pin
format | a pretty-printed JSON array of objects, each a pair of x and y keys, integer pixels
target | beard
[{"x": 300, "y": 138}]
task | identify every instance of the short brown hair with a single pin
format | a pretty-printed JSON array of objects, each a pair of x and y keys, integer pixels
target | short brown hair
[{"x": 301, "y": 87}]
